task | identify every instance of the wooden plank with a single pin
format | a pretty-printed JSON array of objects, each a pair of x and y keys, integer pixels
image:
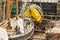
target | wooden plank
[{"x": 0, "y": 10}]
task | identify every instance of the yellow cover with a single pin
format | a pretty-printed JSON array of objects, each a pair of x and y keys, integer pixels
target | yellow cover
[{"x": 32, "y": 12}]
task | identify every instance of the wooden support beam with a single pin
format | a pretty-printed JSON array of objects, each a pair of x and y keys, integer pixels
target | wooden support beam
[
  {"x": 9, "y": 29},
  {"x": 16, "y": 7},
  {"x": 8, "y": 9}
]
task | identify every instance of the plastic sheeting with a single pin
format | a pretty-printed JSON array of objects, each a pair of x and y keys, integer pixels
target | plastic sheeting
[
  {"x": 3, "y": 34},
  {"x": 18, "y": 22}
]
